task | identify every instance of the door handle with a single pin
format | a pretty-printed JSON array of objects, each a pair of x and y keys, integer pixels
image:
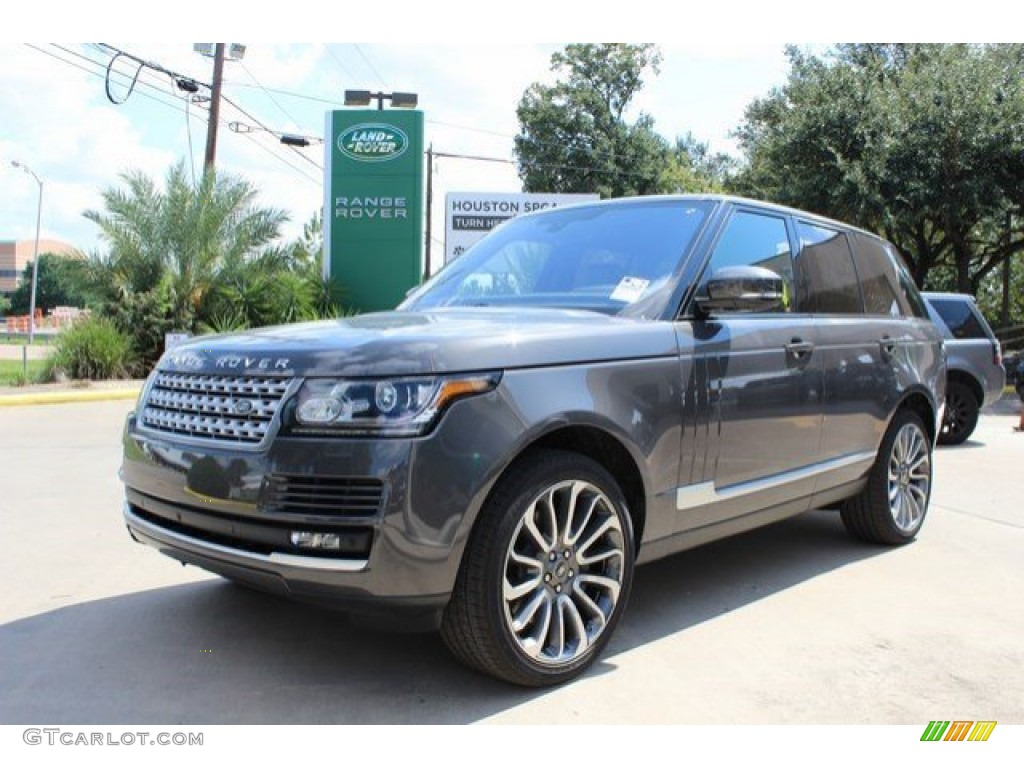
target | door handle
[
  {"x": 799, "y": 349},
  {"x": 888, "y": 346}
]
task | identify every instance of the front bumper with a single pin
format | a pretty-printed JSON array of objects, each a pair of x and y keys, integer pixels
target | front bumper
[{"x": 221, "y": 510}]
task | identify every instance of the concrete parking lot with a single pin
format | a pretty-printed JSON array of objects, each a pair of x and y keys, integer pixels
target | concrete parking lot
[{"x": 795, "y": 623}]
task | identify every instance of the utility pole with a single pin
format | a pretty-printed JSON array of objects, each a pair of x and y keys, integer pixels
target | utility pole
[{"x": 211, "y": 130}]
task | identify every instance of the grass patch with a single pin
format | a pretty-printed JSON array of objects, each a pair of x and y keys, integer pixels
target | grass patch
[{"x": 12, "y": 374}]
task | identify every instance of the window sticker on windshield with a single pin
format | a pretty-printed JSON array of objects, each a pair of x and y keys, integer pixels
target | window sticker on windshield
[{"x": 630, "y": 289}]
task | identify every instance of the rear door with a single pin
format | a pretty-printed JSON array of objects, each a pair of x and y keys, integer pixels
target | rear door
[{"x": 865, "y": 313}]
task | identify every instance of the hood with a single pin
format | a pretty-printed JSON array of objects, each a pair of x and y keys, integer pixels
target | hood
[{"x": 447, "y": 340}]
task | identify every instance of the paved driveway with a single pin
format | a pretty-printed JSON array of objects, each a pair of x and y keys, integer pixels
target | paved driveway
[{"x": 795, "y": 623}]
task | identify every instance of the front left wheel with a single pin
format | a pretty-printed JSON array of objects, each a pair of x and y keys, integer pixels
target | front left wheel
[{"x": 546, "y": 573}]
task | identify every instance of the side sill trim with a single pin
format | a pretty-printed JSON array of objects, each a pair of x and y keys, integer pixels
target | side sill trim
[
  {"x": 200, "y": 547},
  {"x": 701, "y": 494}
]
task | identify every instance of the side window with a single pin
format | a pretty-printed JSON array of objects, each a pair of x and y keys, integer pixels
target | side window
[
  {"x": 959, "y": 318},
  {"x": 755, "y": 240},
  {"x": 879, "y": 279},
  {"x": 826, "y": 280}
]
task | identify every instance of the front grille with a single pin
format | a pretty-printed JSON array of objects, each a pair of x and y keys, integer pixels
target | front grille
[
  {"x": 338, "y": 496},
  {"x": 236, "y": 409}
]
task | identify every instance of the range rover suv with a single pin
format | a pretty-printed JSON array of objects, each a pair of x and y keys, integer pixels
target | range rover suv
[
  {"x": 975, "y": 376},
  {"x": 587, "y": 389}
]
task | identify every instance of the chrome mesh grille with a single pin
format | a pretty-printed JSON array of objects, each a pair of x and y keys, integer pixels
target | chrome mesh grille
[{"x": 236, "y": 409}]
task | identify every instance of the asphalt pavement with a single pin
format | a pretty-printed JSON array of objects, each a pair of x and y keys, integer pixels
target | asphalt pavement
[{"x": 795, "y": 623}]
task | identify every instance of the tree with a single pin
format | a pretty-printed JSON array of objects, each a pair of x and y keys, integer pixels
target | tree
[
  {"x": 60, "y": 282},
  {"x": 692, "y": 167},
  {"x": 920, "y": 143},
  {"x": 201, "y": 258},
  {"x": 574, "y": 136},
  {"x": 181, "y": 235}
]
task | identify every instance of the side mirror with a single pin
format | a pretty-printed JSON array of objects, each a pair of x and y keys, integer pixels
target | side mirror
[{"x": 742, "y": 289}]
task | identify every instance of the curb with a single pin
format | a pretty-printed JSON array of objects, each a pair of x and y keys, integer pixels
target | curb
[{"x": 51, "y": 398}]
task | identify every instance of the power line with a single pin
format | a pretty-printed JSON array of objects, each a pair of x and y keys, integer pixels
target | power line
[
  {"x": 263, "y": 125},
  {"x": 490, "y": 132},
  {"x": 337, "y": 103},
  {"x": 157, "y": 67},
  {"x": 307, "y": 97},
  {"x": 188, "y": 132},
  {"x": 342, "y": 67},
  {"x": 370, "y": 65},
  {"x": 284, "y": 160},
  {"x": 268, "y": 93},
  {"x": 179, "y": 76},
  {"x": 161, "y": 88},
  {"x": 166, "y": 104},
  {"x": 98, "y": 74}
]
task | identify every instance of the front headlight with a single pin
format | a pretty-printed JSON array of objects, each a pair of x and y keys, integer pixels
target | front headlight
[{"x": 401, "y": 406}]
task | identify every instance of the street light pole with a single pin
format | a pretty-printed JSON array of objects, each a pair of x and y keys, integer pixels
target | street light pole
[{"x": 35, "y": 253}]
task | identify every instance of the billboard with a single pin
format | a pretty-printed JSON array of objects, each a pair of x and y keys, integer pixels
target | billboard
[
  {"x": 468, "y": 216},
  {"x": 373, "y": 204}
]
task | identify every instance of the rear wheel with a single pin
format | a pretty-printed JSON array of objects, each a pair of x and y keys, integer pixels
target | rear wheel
[
  {"x": 546, "y": 573},
  {"x": 961, "y": 415},
  {"x": 892, "y": 507}
]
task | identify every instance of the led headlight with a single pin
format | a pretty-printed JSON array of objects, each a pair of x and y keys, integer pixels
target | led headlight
[{"x": 398, "y": 406}]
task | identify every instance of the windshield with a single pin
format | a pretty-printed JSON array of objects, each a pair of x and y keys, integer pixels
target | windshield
[{"x": 606, "y": 258}]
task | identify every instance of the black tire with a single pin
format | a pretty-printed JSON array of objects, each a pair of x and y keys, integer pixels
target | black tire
[
  {"x": 900, "y": 476},
  {"x": 961, "y": 415},
  {"x": 575, "y": 578}
]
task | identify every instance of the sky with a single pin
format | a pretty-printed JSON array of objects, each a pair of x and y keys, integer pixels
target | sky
[{"x": 59, "y": 121}]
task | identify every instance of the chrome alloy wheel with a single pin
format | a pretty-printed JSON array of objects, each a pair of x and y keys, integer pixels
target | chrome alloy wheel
[
  {"x": 563, "y": 572},
  {"x": 910, "y": 478}
]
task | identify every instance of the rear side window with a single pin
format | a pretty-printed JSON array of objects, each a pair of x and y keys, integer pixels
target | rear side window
[
  {"x": 879, "y": 279},
  {"x": 826, "y": 281},
  {"x": 957, "y": 315}
]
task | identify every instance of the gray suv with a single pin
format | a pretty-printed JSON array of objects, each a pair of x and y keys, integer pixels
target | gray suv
[
  {"x": 975, "y": 375},
  {"x": 585, "y": 390}
]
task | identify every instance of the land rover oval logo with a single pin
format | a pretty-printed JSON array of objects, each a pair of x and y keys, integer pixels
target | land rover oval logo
[
  {"x": 242, "y": 407},
  {"x": 373, "y": 142}
]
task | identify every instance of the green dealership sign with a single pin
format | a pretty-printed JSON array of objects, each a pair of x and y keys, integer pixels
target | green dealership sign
[{"x": 373, "y": 204}]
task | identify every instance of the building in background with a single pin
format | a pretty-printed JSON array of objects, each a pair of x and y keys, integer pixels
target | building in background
[{"x": 15, "y": 255}]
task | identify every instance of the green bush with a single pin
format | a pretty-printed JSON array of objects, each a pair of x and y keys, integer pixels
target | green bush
[
  {"x": 145, "y": 318},
  {"x": 94, "y": 349}
]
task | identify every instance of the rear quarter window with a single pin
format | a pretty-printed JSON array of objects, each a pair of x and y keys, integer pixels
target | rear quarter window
[
  {"x": 959, "y": 318},
  {"x": 879, "y": 279}
]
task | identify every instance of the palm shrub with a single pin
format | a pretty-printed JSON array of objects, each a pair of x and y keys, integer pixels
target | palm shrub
[{"x": 201, "y": 258}]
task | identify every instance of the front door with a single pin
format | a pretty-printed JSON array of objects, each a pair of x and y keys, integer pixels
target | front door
[{"x": 752, "y": 408}]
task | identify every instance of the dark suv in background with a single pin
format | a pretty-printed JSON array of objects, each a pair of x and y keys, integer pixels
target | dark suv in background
[
  {"x": 975, "y": 374},
  {"x": 586, "y": 389}
]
